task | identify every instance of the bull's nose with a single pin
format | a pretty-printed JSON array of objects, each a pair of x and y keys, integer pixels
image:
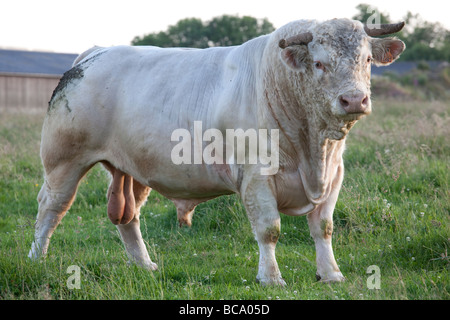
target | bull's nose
[{"x": 354, "y": 103}]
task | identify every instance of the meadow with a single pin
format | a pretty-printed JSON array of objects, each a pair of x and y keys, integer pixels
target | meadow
[{"x": 392, "y": 213}]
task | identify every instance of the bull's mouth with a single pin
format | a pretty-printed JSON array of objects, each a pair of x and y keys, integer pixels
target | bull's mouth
[
  {"x": 350, "y": 117},
  {"x": 345, "y": 123}
]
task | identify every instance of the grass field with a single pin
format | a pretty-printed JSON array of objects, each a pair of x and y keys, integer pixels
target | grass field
[{"x": 393, "y": 212}]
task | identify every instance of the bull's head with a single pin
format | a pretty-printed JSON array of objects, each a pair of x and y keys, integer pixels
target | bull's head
[{"x": 336, "y": 57}]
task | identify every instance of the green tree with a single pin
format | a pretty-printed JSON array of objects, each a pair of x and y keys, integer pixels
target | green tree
[
  {"x": 232, "y": 30},
  {"x": 225, "y": 30},
  {"x": 424, "y": 40},
  {"x": 188, "y": 32},
  {"x": 420, "y": 31}
]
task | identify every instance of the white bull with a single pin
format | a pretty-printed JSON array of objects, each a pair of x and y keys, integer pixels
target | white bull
[{"x": 119, "y": 106}]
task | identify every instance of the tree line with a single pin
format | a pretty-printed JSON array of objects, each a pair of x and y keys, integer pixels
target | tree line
[
  {"x": 424, "y": 40},
  {"x": 225, "y": 30}
]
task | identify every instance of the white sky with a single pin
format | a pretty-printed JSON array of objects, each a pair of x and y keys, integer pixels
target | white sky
[{"x": 74, "y": 26}]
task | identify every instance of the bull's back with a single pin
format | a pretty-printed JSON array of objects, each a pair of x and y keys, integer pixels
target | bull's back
[{"x": 127, "y": 101}]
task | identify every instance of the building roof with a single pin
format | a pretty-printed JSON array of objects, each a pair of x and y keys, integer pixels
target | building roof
[
  {"x": 33, "y": 62},
  {"x": 403, "y": 67}
]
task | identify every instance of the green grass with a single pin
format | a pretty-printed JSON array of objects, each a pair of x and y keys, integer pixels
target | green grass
[{"x": 393, "y": 212}]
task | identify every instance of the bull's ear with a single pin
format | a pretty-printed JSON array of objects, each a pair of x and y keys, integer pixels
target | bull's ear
[
  {"x": 386, "y": 50},
  {"x": 295, "y": 57}
]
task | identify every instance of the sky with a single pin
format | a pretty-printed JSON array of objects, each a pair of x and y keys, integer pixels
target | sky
[{"x": 75, "y": 26}]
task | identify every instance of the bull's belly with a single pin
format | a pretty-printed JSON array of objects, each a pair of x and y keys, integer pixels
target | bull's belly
[
  {"x": 184, "y": 181},
  {"x": 190, "y": 183}
]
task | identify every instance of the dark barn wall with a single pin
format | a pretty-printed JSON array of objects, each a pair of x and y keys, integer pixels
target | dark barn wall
[{"x": 26, "y": 90}]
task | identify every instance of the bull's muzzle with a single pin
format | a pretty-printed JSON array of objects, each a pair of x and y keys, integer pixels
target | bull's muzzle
[{"x": 355, "y": 103}]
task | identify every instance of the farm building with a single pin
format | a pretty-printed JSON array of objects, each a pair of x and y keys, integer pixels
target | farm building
[{"x": 28, "y": 78}]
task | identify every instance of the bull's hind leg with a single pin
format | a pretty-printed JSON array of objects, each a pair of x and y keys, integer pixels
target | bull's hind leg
[
  {"x": 185, "y": 211},
  {"x": 55, "y": 198},
  {"x": 129, "y": 231}
]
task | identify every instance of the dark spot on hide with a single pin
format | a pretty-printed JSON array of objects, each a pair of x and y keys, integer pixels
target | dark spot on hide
[
  {"x": 69, "y": 76},
  {"x": 272, "y": 234},
  {"x": 67, "y": 107},
  {"x": 327, "y": 228},
  {"x": 76, "y": 73},
  {"x": 239, "y": 179}
]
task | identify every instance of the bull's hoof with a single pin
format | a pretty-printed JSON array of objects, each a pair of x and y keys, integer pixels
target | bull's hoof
[
  {"x": 330, "y": 278},
  {"x": 184, "y": 222},
  {"x": 150, "y": 266},
  {"x": 271, "y": 282}
]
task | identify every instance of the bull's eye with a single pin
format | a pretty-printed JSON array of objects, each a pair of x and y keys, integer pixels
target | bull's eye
[{"x": 319, "y": 65}]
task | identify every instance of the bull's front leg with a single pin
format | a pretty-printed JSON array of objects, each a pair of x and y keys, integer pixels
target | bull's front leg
[
  {"x": 261, "y": 206},
  {"x": 320, "y": 223}
]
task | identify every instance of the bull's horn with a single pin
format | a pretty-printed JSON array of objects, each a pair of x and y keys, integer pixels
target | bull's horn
[
  {"x": 298, "y": 40},
  {"x": 384, "y": 29}
]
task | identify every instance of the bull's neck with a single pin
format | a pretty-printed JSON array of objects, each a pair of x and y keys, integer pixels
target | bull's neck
[
  {"x": 308, "y": 143},
  {"x": 318, "y": 156}
]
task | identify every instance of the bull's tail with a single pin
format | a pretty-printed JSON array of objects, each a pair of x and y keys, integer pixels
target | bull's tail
[{"x": 85, "y": 54}]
